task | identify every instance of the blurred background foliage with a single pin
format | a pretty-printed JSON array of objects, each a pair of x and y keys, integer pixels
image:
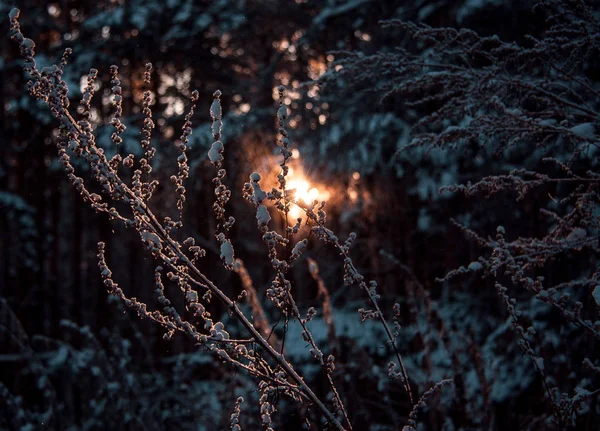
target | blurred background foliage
[{"x": 76, "y": 360}]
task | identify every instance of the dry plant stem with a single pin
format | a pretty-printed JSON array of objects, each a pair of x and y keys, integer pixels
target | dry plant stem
[
  {"x": 265, "y": 345},
  {"x": 313, "y": 269},
  {"x": 319, "y": 355},
  {"x": 51, "y": 88},
  {"x": 185, "y": 327},
  {"x": 528, "y": 350},
  {"x": 391, "y": 338},
  {"x": 175, "y": 249},
  {"x": 590, "y": 113},
  {"x": 149, "y": 220},
  {"x": 259, "y": 316},
  {"x": 284, "y": 142},
  {"x": 282, "y": 114},
  {"x": 152, "y": 223},
  {"x": 412, "y": 418},
  {"x": 310, "y": 214},
  {"x": 381, "y": 318}
]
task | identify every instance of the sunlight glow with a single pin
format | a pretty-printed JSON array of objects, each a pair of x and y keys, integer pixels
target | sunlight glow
[
  {"x": 303, "y": 194},
  {"x": 295, "y": 213},
  {"x": 301, "y": 188}
]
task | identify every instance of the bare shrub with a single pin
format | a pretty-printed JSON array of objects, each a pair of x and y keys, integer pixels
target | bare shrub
[{"x": 246, "y": 346}]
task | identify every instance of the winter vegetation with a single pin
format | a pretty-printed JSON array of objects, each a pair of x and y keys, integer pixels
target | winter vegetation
[{"x": 329, "y": 215}]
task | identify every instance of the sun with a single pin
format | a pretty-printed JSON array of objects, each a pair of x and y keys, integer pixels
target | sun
[{"x": 302, "y": 194}]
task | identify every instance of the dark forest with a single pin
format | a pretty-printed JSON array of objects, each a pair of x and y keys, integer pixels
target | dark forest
[{"x": 300, "y": 215}]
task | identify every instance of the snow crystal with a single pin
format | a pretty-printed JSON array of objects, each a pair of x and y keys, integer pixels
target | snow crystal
[
  {"x": 215, "y": 154},
  {"x": 28, "y": 43},
  {"x": 299, "y": 248},
  {"x": 282, "y": 112},
  {"x": 215, "y": 110},
  {"x": 192, "y": 296},
  {"x": 258, "y": 194},
  {"x": 262, "y": 215},
  {"x": 151, "y": 238},
  {"x": 218, "y": 331},
  {"x": 216, "y": 127},
  {"x": 227, "y": 253}
]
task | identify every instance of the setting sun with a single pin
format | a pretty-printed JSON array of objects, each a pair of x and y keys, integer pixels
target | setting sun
[{"x": 303, "y": 193}]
